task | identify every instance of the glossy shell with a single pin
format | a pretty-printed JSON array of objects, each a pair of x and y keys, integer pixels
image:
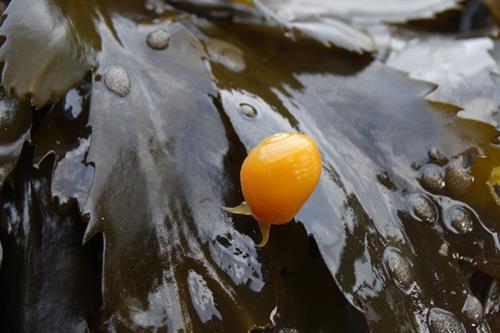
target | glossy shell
[{"x": 279, "y": 175}]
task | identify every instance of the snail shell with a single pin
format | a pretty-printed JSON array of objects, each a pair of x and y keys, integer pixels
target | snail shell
[
  {"x": 279, "y": 175},
  {"x": 277, "y": 178}
]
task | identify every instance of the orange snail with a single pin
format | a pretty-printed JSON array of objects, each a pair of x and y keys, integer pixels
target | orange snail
[{"x": 277, "y": 177}]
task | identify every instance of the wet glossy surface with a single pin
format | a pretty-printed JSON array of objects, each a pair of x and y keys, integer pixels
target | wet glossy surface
[
  {"x": 352, "y": 25},
  {"x": 152, "y": 146},
  {"x": 15, "y": 126},
  {"x": 53, "y": 281},
  {"x": 72, "y": 40},
  {"x": 463, "y": 70},
  {"x": 352, "y": 216}
]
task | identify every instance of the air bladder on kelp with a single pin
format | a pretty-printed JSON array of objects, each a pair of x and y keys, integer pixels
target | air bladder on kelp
[{"x": 277, "y": 177}]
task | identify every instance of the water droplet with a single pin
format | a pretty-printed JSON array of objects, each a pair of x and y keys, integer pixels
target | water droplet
[
  {"x": 442, "y": 321},
  {"x": 117, "y": 80},
  {"x": 399, "y": 268},
  {"x": 422, "y": 209},
  {"x": 158, "y": 39},
  {"x": 459, "y": 219},
  {"x": 247, "y": 110},
  {"x": 226, "y": 54},
  {"x": 386, "y": 180},
  {"x": 432, "y": 178},
  {"x": 458, "y": 178},
  {"x": 444, "y": 249},
  {"x": 157, "y": 6},
  {"x": 458, "y": 174},
  {"x": 473, "y": 310},
  {"x": 436, "y": 155}
]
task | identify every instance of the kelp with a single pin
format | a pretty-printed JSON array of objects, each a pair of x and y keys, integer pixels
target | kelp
[
  {"x": 147, "y": 150},
  {"x": 49, "y": 48},
  {"x": 62, "y": 34},
  {"x": 363, "y": 210},
  {"x": 300, "y": 287},
  {"x": 53, "y": 281},
  {"x": 182, "y": 257},
  {"x": 176, "y": 174},
  {"x": 464, "y": 71},
  {"x": 494, "y": 6},
  {"x": 63, "y": 135},
  {"x": 15, "y": 125},
  {"x": 350, "y": 25}
]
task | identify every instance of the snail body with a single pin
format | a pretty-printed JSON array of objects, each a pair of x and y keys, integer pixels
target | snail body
[{"x": 277, "y": 177}]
